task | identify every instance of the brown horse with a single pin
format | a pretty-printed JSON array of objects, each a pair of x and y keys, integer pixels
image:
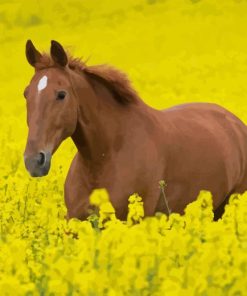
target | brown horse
[{"x": 124, "y": 145}]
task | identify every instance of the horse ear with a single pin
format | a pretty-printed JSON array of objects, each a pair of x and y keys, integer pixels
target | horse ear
[
  {"x": 32, "y": 54},
  {"x": 58, "y": 54}
]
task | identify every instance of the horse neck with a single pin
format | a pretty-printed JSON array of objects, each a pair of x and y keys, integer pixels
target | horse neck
[{"x": 102, "y": 121}]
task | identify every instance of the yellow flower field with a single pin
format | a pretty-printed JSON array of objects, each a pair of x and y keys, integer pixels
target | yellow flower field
[{"x": 174, "y": 51}]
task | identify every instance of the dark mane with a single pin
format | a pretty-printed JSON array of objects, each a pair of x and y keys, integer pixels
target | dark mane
[{"x": 116, "y": 81}]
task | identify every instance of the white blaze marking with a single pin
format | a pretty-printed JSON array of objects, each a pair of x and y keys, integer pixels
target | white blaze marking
[{"x": 42, "y": 83}]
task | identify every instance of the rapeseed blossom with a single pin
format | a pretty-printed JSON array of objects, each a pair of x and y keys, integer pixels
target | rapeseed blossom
[
  {"x": 136, "y": 211},
  {"x": 174, "y": 51}
]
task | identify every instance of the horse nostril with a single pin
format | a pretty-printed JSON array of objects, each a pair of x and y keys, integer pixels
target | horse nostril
[{"x": 41, "y": 160}]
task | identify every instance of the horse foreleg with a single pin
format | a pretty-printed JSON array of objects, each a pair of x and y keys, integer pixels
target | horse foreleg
[{"x": 76, "y": 190}]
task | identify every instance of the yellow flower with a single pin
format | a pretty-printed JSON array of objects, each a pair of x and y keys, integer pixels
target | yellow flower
[
  {"x": 136, "y": 211},
  {"x": 175, "y": 52},
  {"x": 99, "y": 197}
]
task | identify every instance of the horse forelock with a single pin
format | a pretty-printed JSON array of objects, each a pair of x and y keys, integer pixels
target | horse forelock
[{"x": 116, "y": 81}]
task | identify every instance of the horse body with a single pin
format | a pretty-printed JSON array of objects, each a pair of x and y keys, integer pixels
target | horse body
[
  {"x": 207, "y": 151},
  {"x": 126, "y": 146},
  {"x": 192, "y": 147}
]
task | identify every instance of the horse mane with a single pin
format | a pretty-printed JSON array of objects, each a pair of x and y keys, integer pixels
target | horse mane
[{"x": 114, "y": 80}]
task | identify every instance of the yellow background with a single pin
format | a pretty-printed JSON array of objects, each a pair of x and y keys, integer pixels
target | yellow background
[{"x": 174, "y": 51}]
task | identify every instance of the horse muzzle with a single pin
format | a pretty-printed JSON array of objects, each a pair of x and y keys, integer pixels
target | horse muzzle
[{"x": 38, "y": 165}]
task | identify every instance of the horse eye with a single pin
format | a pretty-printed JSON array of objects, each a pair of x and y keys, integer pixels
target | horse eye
[{"x": 61, "y": 95}]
